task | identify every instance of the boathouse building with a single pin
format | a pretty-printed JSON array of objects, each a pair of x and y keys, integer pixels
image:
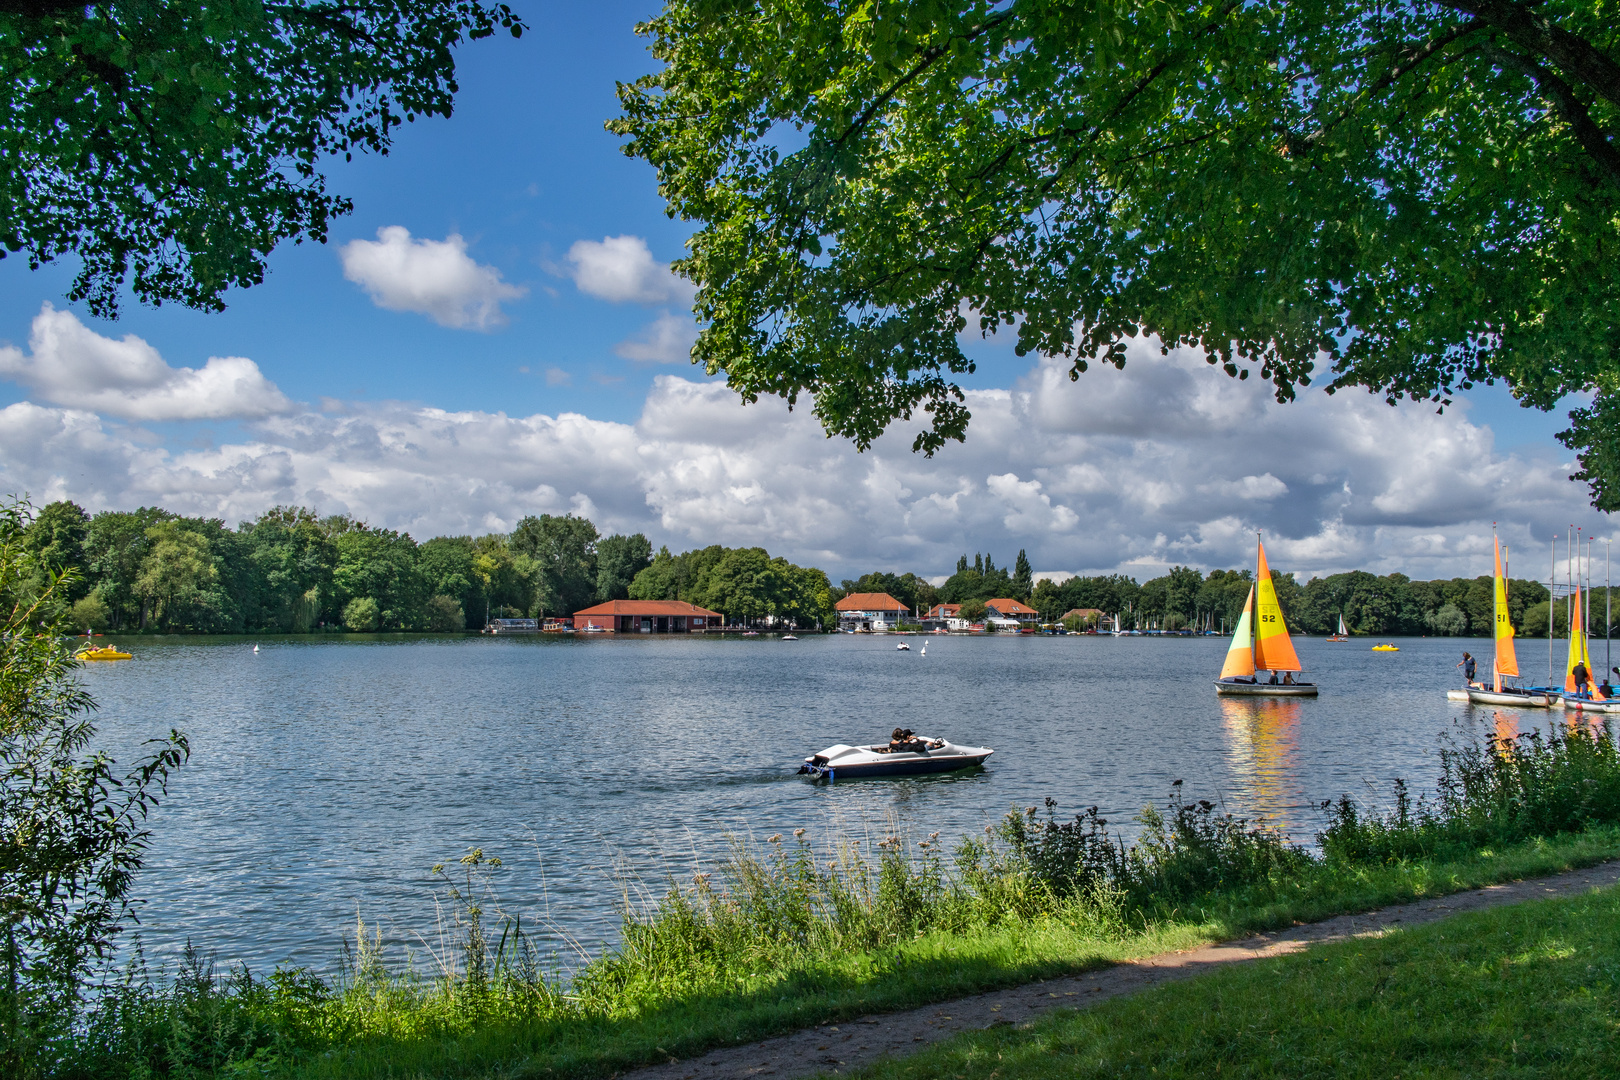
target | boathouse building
[
  {"x": 648, "y": 617},
  {"x": 875, "y": 611}
]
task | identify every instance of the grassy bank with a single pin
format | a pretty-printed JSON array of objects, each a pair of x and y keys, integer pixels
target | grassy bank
[
  {"x": 792, "y": 935},
  {"x": 1525, "y": 990}
]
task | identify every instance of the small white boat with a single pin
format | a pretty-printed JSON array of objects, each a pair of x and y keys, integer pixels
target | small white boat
[
  {"x": 1456, "y": 695},
  {"x": 789, "y": 637},
  {"x": 1510, "y": 695},
  {"x": 931, "y": 756},
  {"x": 903, "y": 647},
  {"x": 1586, "y": 703}
]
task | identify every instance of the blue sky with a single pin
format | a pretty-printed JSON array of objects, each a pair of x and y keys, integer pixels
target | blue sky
[{"x": 345, "y": 398}]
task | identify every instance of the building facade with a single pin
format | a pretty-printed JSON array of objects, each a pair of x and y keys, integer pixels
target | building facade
[
  {"x": 874, "y": 613},
  {"x": 647, "y": 617},
  {"x": 1004, "y": 613}
]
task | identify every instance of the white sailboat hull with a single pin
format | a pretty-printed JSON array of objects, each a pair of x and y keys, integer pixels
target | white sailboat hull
[
  {"x": 1569, "y": 701},
  {"x": 1234, "y": 688},
  {"x": 1520, "y": 699}
]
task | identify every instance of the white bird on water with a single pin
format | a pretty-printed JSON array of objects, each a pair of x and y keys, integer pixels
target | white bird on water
[{"x": 925, "y": 648}]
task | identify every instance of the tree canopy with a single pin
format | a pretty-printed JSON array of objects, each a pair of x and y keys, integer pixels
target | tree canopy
[
  {"x": 1410, "y": 197},
  {"x": 182, "y": 140}
]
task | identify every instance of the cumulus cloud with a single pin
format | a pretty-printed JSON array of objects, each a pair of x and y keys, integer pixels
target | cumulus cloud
[
  {"x": 70, "y": 364},
  {"x": 1335, "y": 482},
  {"x": 621, "y": 270},
  {"x": 666, "y": 340},
  {"x": 436, "y": 278}
]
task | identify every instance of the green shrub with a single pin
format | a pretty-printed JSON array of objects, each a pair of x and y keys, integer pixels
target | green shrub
[
  {"x": 360, "y": 615},
  {"x": 444, "y": 615}
]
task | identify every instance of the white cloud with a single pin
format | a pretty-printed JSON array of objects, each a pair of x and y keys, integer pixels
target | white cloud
[
  {"x": 666, "y": 340},
  {"x": 620, "y": 269},
  {"x": 556, "y": 376},
  {"x": 1336, "y": 483},
  {"x": 436, "y": 278},
  {"x": 70, "y": 364}
]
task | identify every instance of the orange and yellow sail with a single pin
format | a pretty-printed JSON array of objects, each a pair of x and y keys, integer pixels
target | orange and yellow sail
[
  {"x": 1240, "y": 657},
  {"x": 1507, "y": 660},
  {"x": 1578, "y": 653},
  {"x": 1273, "y": 651}
]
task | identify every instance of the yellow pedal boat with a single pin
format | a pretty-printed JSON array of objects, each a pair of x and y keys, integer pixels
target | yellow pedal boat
[
  {"x": 1386, "y": 648},
  {"x": 106, "y": 652}
]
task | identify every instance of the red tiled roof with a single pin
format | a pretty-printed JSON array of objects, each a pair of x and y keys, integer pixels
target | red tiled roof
[
  {"x": 648, "y": 607},
  {"x": 1009, "y": 606},
  {"x": 870, "y": 601},
  {"x": 945, "y": 610}
]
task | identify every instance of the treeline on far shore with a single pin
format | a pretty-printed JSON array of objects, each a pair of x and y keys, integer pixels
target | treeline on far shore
[{"x": 292, "y": 570}]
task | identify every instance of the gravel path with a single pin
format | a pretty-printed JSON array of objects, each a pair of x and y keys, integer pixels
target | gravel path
[{"x": 838, "y": 1048}]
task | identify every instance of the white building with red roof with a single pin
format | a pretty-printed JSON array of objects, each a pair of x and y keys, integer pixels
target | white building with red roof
[
  {"x": 1004, "y": 613},
  {"x": 870, "y": 612}
]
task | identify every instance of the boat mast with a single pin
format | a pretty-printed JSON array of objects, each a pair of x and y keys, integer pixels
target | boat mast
[
  {"x": 1552, "y": 592},
  {"x": 1254, "y": 612},
  {"x": 1608, "y": 618}
]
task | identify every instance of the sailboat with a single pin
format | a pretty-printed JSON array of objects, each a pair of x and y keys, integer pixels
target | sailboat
[
  {"x": 1505, "y": 664},
  {"x": 1593, "y": 700},
  {"x": 1261, "y": 643},
  {"x": 1343, "y": 634}
]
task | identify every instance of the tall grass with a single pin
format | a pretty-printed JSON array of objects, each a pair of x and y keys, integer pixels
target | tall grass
[{"x": 777, "y": 931}]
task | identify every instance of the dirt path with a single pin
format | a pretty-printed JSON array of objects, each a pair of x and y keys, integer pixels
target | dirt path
[{"x": 837, "y": 1048}]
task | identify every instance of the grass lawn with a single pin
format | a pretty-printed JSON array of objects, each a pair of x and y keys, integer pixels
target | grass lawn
[
  {"x": 929, "y": 969},
  {"x": 1525, "y": 990}
]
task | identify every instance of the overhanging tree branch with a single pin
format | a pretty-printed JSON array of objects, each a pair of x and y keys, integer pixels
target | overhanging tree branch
[
  {"x": 1586, "y": 131},
  {"x": 1534, "y": 32}
]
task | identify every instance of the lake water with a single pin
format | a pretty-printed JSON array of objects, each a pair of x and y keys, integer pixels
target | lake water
[{"x": 327, "y": 776}]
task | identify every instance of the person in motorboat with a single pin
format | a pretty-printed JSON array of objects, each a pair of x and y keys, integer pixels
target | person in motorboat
[
  {"x": 1468, "y": 665},
  {"x": 905, "y": 741}
]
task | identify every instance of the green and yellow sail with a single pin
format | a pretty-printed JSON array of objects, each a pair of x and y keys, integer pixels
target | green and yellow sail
[{"x": 1507, "y": 660}]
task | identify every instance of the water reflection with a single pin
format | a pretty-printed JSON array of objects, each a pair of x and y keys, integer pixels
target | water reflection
[
  {"x": 1262, "y": 741},
  {"x": 1507, "y": 727}
]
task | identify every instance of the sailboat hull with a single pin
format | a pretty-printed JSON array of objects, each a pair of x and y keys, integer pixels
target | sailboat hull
[
  {"x": 1517, "y": 699},
  {"x": 1258, "y": 689},
  {"x": 1570, "y": 701}
]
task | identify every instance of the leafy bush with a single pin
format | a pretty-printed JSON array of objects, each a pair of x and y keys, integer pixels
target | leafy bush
[
  {"x": 444, "y": 614},
  {"x": 1494, "y": 791},
  {"x": 360, "y": 615}
]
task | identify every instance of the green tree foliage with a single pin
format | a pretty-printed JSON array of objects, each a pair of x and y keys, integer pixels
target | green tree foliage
[
  {"x": 911, "y": 590},
  {"x": 177, "y": 575},
  {"x": 564, "y": 552},
  {"x": 618, "y": 560},
  {"x": 293, "y": 560},
  {"x": 378, "y": 565},
  {"x": 1420, "y": 195},
  {"x": 360, "y": 615},
  {"x": 181, "y": 141},
  {"x": 444, "y": 614},
  {"x": 114, "y": 546},
  {"x": 981, "y": 581},
  {"x": 1022, "y": 577},
  {"x": 72, "y": 827},
  {"x": 744, "y": 584}
]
